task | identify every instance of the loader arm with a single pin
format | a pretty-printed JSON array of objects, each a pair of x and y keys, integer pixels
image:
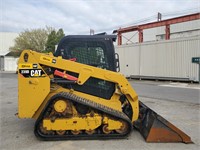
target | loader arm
[{"x": 123, "y": 87}]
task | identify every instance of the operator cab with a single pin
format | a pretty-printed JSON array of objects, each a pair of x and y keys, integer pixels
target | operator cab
[{"x": 93, "y": 50}]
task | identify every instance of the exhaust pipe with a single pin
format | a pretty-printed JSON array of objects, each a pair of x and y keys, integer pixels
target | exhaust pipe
[{"x": 155, "y": 128}]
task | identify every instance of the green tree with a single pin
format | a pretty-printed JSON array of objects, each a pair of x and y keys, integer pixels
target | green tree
[
  {"x": 34, "y": 39},
  {"x": 53, "y": 39},
  {"x": 60, "y": 34}
]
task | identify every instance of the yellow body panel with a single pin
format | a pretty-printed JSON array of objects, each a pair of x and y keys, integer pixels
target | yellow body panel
[
  {"x": 31, "y": 90},
  {"x": 31, "y": 96},
  {"x": 75, "y": 123},
  {"x": 112, "y": 124},
  {"x": 81, "y": 123},
  {"x": 41, "y": 87}
]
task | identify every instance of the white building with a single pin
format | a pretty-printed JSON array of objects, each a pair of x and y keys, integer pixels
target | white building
[{"x": 7, "y": 63}]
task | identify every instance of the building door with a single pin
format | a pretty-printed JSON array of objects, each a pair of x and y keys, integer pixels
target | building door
[{"x": 2, "y": 63}]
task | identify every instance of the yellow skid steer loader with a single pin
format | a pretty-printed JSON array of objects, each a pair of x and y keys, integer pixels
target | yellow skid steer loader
[{"x": 77, "y": 93}]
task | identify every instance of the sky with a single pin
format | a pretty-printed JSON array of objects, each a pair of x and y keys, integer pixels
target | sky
[{"x": 79, "y": 16}]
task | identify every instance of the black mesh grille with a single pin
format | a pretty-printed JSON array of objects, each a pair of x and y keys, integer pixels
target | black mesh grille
[
  {"x": 94, "y": 53},
  {"x": 96, "y": 87},
  {"x": 90, "y": 53}
]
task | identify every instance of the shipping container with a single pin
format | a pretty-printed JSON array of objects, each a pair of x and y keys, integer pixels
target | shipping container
[{"x": 168, "y": 59}]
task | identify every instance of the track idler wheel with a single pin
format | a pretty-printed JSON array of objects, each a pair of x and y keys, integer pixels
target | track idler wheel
[
  {"x": 90, "y": 132},
  {"x": 60, "y": 106},
  {"x": 105, "y": 129},
  {"x": 61, "y": 132},
  {"x": 75, "y": 132},
  {"x": 44, "y": 130},
  {"x": 123, "y": 129}
]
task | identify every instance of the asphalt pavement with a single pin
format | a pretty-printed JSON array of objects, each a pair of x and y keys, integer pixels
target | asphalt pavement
[{"x": 175, "y": 91}]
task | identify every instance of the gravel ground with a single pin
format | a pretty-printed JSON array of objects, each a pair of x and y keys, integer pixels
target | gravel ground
[{"x": 18, "y": 133}]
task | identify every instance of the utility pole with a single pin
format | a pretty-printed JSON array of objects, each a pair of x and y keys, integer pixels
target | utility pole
[
  {"x": 159, "y": 16},
  {"x": 91, "y": 31}
]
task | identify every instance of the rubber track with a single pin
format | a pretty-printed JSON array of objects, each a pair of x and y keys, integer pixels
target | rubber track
[{"x": 69, "y": 96}]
